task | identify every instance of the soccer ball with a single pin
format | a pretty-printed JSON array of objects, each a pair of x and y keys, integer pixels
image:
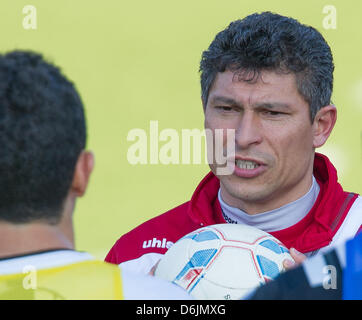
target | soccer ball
[{"x": 223, "y": 261}]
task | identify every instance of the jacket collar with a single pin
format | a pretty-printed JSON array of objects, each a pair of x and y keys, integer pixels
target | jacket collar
[{"x": 314, "y": 231}]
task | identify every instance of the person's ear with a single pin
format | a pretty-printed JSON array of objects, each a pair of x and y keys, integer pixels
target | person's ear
[
  {"x": 323, "y": 125},
  {"x": 83, "y": 170}
]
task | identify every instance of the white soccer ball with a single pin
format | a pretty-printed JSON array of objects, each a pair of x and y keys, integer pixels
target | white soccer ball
[{"x": 223, "y": 261}]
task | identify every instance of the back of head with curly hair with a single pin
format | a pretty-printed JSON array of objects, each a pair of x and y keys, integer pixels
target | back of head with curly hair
[{"x": 42, "y": 133}]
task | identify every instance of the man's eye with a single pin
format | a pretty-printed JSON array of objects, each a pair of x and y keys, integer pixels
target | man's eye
[
  {"x": 224, "y": 108},
  {"x": 272, "y": 113}
]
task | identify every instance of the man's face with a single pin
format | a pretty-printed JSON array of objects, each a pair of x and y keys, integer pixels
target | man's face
[{"x": 273, "y": 139}]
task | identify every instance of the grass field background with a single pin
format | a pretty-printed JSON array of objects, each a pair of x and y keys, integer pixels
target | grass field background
[{"x": 137, "y": 61}]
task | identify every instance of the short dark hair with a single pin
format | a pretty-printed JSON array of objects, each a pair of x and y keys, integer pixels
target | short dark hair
[
  {"x": 42, "y": 133},
  {"x": 268, "y": 41}
]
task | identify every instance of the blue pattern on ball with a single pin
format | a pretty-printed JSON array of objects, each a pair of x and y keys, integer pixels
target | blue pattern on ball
[
  {"x": 199, "y": 259},
  {"x": 268, "y": 268},
  {"x": 202, "y": 236},
  {"x": 271, "y": 245}
]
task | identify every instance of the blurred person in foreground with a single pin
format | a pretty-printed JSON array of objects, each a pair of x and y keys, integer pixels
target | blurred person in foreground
[
  {"x": 334, "y": 275},
  {"x": 44, "y": 168}
]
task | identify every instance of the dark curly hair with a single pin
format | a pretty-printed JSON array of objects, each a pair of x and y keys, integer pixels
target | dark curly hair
[
  {"x": 42, "y": 133},
  {"x": 268, "y": 41}
]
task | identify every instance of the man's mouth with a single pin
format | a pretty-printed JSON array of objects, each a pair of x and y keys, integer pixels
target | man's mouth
[
  {"x": 246, "y": 164},
  {"x": 248, "y": 168}
]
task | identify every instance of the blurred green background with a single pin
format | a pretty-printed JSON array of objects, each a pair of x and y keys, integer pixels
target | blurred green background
[{"x": 136, "y": 61}]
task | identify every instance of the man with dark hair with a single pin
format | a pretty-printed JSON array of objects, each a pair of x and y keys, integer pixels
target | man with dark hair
[
  {"x": 42, "y": 135},
  {"x": 43, "y": 170},
  {"x": 269, "y": 80}
]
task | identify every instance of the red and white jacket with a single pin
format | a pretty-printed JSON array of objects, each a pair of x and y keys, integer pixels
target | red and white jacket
[{"x": 335, "y": 217}]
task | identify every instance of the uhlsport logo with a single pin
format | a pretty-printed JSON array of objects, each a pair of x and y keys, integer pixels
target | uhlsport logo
[{"x": 156, "y": 243}]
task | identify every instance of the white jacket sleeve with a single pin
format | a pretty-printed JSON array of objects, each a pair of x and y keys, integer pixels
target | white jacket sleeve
[{"x": 146, "y": 287}]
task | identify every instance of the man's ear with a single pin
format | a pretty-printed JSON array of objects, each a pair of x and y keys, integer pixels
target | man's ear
[
  {"x": 83, "y": 170},
  {"x": 323, "y": 125}
]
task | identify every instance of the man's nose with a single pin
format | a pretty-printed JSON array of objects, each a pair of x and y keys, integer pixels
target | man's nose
[{"x": 248, "y": 132}]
